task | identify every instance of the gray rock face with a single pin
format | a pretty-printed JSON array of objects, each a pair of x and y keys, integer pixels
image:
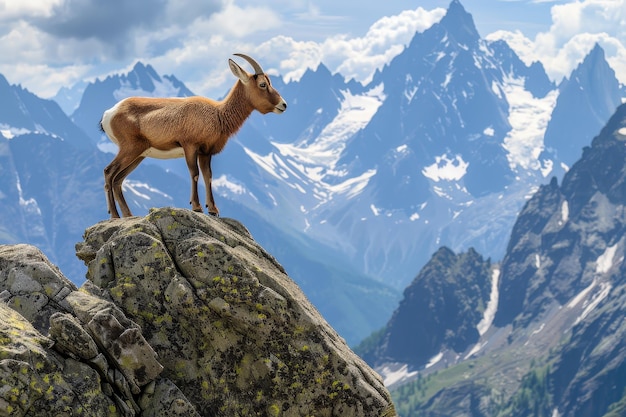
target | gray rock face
[{"x": 182, "y": 315}]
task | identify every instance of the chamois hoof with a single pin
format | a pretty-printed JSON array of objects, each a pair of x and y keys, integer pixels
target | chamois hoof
[{"x": 214, "y": 214}]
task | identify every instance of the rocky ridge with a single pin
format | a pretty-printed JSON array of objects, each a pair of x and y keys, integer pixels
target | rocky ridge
[
  {"x": 182, "y": 314},
  {"x": 556, "y": 343}
]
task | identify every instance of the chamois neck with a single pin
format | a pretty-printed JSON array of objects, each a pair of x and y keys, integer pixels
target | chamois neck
[{"x": 235, "y": 109}]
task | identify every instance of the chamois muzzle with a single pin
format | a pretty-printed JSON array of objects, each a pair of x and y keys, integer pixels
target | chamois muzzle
[{"x": 280, "y": 107}]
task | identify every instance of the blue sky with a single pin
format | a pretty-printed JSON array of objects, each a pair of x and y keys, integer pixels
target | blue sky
[{"x": 46, "y": 44}]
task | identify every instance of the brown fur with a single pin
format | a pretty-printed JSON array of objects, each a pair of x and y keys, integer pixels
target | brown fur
[{"x": 196, "y": 127}]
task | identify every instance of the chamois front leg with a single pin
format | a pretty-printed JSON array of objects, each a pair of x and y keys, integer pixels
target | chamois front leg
[
  {"x": 191, "y": 157},
  {"x": 207, "y": 174}
]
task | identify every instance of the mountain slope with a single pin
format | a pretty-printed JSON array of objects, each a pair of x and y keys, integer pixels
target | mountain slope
[
  {"x": 586, "y": 101},
  {"x": 441, "y": 311},
  {"x": 556, "y": 344},
  {"x": 445, "y": 143}
]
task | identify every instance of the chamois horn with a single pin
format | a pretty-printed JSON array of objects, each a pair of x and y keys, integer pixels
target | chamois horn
[{"x": 257, "y": 68}]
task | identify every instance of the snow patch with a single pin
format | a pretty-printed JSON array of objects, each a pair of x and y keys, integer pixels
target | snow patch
[
  {"x": 447, "y": 169},
  {"x": 353, "y": 186},
  {"x": 622, "y": 131},
  {"x": 355, "y": 113},
  {"x": 581, "y": 295},
  {"x": 30, "y": 206},
  {"x": 9, "y": 132},
  {"x": 528, "y": 117},
  {"x": 477, "y": 347},
  {"x": 492, "y": 305},
  {"x": 605, "y": 289},
  {"x": 392, "y": 375},
  {"x": 414, "y": 216},
  {"x": 433, "y": 361},
  {"x": 402, "y": 149},
  {"x": 537, "y": 331},
  {"x": 564, "y": 211},
  {"x": 266, "y": 162},
  {"x": 141, "y": 189},
  {"x": 224, "y": 182},
  {"x": 605, "y": 261}
]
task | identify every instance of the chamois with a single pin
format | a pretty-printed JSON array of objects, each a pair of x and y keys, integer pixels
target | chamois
[{"x": 194, "y": 127}]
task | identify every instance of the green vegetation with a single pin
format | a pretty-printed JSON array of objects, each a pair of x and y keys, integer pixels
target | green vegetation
[
  {"x": 461, "y": 382},
  {"x": 370, "y": 343},
  {"x": 618, "y": 409},
  {"x": 533, "y": 396}
]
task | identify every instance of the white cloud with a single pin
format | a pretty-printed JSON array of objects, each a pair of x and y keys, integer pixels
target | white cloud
[
  {"x": 240, "y": 22},
  {"x": 12, "y": 9},
  {"x": 201, "y": 61},
  {"x": 575, "y": 28},
  {"x": 353, "y": 57},
  {"x": 45, "y": 44}
]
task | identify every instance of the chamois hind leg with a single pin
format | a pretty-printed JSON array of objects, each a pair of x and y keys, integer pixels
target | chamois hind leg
[
  {"x": 207, "y": 174},
  {"x": 191, "y": 157},
  {"x": 118, "y": 165},
  {"x": 117, "y": 186}
]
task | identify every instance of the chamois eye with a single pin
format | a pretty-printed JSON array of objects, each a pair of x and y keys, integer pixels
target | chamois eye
[{"x": 263, "y": 85}]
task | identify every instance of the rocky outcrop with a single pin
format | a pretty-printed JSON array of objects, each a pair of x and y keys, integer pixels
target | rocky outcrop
[
  {"x": 440, "y": 311},
  {"x": 182, "y": 315}
]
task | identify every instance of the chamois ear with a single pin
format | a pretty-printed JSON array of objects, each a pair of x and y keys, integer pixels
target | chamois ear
[{"x": 238, "y": 71}]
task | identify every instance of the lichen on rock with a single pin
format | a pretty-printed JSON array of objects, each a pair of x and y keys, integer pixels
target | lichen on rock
[{"x": 183, "y": 314}]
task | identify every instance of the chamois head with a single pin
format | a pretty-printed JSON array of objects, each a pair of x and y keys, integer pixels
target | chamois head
[{"x": 258, "y": 87}]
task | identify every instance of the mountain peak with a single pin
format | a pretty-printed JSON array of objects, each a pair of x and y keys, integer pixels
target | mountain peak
[
  {"x": 460, "y": 23},
  {"x": 594, "y": 61},
  {"x": 597, "y": 49},
  {"x": 146, "y": 75},
  {"x": 321, "y": 71}
]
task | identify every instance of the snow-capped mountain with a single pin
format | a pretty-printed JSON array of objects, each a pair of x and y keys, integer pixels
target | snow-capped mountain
[
  {"x": 591, "y": 93},
  {"x": 543, "y": 331},
  {"x": 443, "y": 147}
]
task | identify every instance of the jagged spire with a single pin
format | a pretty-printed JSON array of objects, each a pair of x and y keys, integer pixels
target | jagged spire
[{"x": 460, "y": 24}]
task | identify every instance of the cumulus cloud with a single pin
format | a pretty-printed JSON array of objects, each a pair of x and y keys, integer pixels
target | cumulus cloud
[
  {"x": 353, "y": 57},
  {"x": 202, "y": 59},
  {"x": 576, "y": 27},
  {"x": 12, "y": 9},
  {"x": 46, "y": 44},
  {"x": 114, "y": 25},
  {"x": 238, "y": 22}
]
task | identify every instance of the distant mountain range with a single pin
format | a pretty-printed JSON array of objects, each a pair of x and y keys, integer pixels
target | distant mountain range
[
  {"x": 354, "y": 187},
  {"x": 541, "y": 333}
]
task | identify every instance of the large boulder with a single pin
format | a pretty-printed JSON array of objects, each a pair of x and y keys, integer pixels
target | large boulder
[{"x": 182, "y": 314}]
